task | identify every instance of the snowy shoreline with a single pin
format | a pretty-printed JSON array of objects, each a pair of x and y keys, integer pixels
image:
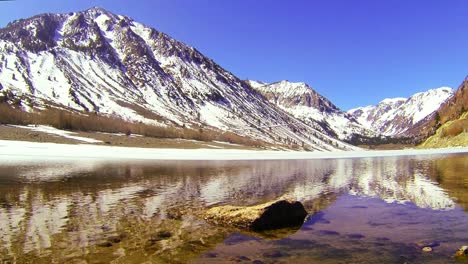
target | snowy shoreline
[{"x": 15, "y": 151}]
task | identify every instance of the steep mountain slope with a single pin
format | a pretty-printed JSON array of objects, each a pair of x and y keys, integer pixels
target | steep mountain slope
[
  {"x": 305, "y": 104},
  {"x": 450, "y": 110},
  {"x": 393, "y": 117},
  {"x": 453, "y": 133},
  {"x": 456, "y": 105},
  {"x": 96, "y": 61},
  {"x": 448, "y": 126}
]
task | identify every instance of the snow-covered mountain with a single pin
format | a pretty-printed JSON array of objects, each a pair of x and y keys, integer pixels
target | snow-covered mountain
[
  {"x": 392, "y": 117},
  {"x": 96, "y": 61},
  {"x": 305, "y": 104},
  {"x": 449, "y": 125}
]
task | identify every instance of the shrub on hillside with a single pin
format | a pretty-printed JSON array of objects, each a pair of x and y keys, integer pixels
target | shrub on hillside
[
  {"x": 455, "y": 128},
  {"x": 10, "y": 115},
  {"x": 91, "y": 122}
]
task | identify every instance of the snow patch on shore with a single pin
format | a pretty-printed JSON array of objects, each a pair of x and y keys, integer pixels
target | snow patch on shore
[{"x": 58, "y": 132}]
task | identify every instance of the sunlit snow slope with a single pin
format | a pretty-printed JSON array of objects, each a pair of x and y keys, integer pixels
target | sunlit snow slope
[
  {"x": 305, "y": 104},
  {"x": 96, "y": 61},
  {"x": 393, "y": 117}
]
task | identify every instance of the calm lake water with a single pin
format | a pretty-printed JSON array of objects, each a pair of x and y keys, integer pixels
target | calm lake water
[{"x": 366, "y": 210}]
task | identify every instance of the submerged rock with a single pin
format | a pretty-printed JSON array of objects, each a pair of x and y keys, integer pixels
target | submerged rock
[
  {"x": 275, "y": 254},
  {"x": 161, "y": 235},
  {"x": 267, "y": 216},
  {"x": 428, "y": 243},
  {"x": 462, "y": 254},
  {"x": 427, "y": 249}
]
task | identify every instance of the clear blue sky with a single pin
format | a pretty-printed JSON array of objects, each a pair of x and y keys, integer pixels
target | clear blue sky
[{"x": 354, "y": 52}]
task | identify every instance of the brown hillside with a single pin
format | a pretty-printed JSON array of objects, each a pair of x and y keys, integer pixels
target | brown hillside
[
  {"x": 451, "y": 110},
  {"x": 456, "y": 105}
]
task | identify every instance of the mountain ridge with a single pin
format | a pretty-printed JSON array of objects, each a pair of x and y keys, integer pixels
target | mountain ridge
[
  {"x": 394, "y": 116},
  {"x": 307, "y": 105},
  {"x": 98, "y": 62},
  {"x": 94, "y": 61},
  {"x": 448, "y": 126}
]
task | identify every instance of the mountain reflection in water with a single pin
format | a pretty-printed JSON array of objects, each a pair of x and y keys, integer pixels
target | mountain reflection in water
[{"x": 65, "y": 211}]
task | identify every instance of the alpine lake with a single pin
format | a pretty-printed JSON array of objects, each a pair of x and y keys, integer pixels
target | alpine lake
[{"x": 403, "y": 209}]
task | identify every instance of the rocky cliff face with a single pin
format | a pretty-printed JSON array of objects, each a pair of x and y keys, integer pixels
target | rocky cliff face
[{"x": 96, "y": 61}]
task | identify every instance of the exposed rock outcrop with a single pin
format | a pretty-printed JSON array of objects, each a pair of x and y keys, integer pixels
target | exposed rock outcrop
[
  {"x": 267, "y": 216},
  {"x": 462, "y": 254}
]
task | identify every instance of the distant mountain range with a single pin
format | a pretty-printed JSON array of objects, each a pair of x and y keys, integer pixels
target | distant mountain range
[
  {"x": 448, "y": 126},
  {"x": 305, "y": 104},
  {"x": 97, "y": 62},
  {"x": 393, "y": 117}
]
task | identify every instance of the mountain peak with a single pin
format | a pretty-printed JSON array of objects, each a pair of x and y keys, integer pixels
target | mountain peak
[
  {"x": 393, "y": 116},
  {"x": 290, "y": 94},
  {"x": 96, "y": 10},
  {"x": 304, "y": 103},
  {"x": 287, "y": 82},
  {"x": 94, "y": 13},
  {"x": 94, "y": 61},
  {"x": 440, "y": 90},
  {"x": 393, "y": 100},
  {"x": 256, "y": 84},
  {"x": 444, "y": 89}
]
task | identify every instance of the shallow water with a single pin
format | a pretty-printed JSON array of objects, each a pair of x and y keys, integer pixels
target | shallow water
[{"x": 365, "y": 210}]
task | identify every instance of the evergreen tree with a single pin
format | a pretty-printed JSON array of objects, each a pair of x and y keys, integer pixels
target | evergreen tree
[{"x": 437, "y": 118}]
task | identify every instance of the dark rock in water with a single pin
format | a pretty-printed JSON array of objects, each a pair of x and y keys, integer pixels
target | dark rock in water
[
  {"x": 117, "y": 238},
  {"x": 355, "y": 236},
  {"x": 211, "y": 255},
  {"x": 114, "y": 239},
  {"x": 428, "y": 243},
  {"x": 382, "y": 239},
  {"x": 280, "y": 214},
  {"x": 328, "y": 233},
  {"x": 274, "y": 254},
  {"x": 297, "y": 244},
  {"x": 241, "y": 258},
  {"x": 161, "y": 235},
  {"x": 258, "y": 262},
  {"x": 268, "y": 216},
  {"x": 237, "y": 238},
  {"x": 105, "y": 244},
  {"x": 164, "y": 234}
]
